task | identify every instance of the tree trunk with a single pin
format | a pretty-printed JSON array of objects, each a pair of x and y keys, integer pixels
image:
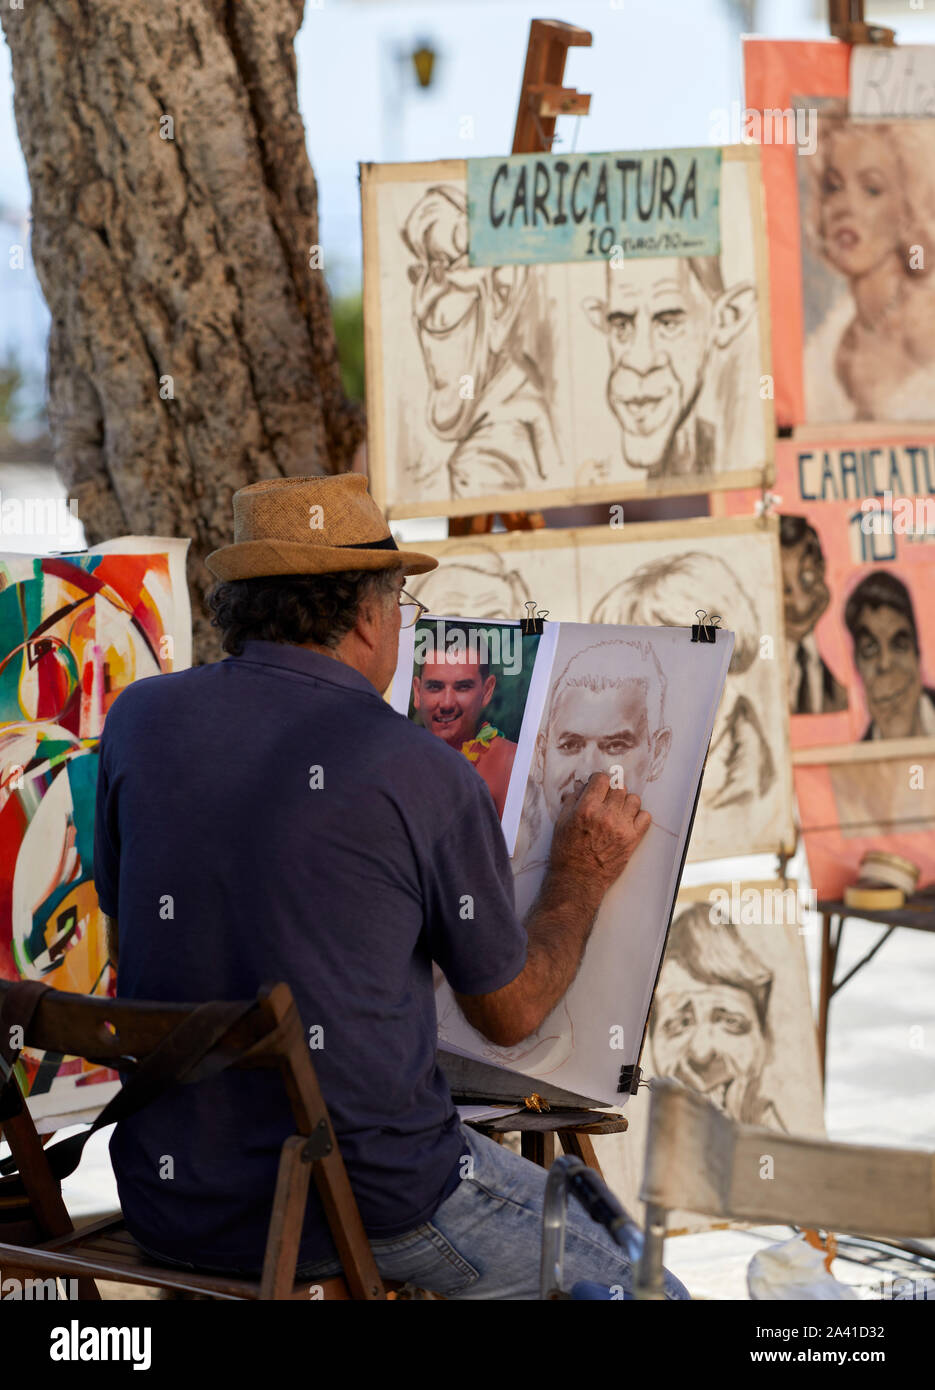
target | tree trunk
[{"x": 175, "y": 234}]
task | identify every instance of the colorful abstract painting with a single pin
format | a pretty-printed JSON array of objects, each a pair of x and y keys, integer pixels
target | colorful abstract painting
[{"x": 75, "y": 630}]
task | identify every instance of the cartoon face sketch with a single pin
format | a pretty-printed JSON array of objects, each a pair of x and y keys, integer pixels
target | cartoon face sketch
[
  {"x": 476, "y": 582},
  {"x": 881, "y": 620},
  {"x": 665, "y": 318},
  {"x": 806, "y": 596},
  {"x": 709, "y": 1024},
  {"x": 481, "y": 333},
  {"x": 741, "y": 767}
]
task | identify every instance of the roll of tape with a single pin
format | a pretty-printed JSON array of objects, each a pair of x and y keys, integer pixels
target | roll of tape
[
  {"x": 871, "y": 899},
  {"x": 890, "y": 870}
]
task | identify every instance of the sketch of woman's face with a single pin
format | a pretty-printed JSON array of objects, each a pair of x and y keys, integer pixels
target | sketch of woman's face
[{"x": 860, "y": 202}]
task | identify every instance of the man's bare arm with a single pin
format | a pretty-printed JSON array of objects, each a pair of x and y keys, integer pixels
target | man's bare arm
[
  {"x": 110, "y": 926},
  {"x": 592, "y": 844}
]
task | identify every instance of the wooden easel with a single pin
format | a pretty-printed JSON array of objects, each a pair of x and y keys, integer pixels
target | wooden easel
[
  {"x": 541, "y": 99},
  {"x": 846, "y": 19}
]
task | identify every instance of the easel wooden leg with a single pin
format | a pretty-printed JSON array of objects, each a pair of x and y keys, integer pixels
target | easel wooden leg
[
  {"x": 829, "y": 955},
  {"x": 580, "y": 1145},
  {"x": 538, "y": 1146}
]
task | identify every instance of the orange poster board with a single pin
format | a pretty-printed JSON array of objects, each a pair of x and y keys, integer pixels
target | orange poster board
[
  {"x": 775, "y": 75},
  {"x": 857, "y": 547},
  {"x": 848, "y": 808}
]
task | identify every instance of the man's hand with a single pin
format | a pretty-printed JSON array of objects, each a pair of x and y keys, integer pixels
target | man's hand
[
  {"x": 596, "y": 835},
  {"x": 593, "y": 841}
]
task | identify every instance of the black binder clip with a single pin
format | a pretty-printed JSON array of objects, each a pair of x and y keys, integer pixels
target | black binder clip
[
  {"x": 705, "y": 629},
  {"x": 629, "y": 1080},
  {"x": 532, "y": 623}
]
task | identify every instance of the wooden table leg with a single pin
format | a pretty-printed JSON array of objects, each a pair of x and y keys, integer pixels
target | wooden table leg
[
  {"x": 538, "y": 1146},
  {"x": 824, "y": 992},
  {"x": 573, "y": 1142}
]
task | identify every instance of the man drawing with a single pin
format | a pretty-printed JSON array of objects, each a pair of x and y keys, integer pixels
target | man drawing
[
  {"x": 354, "y": 837},
  {"x": 450, "y": 694},
  {"x": 709, "y": 1024},
  {"x": 665, "y": 319},
  {"x": 813, "y": 688},
  {"x": 882, "y": 624},
  {"x": 485, "y": 344}
]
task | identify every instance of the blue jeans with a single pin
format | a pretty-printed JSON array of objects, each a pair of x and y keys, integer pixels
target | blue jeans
[{"x": 485, "y": 1240}]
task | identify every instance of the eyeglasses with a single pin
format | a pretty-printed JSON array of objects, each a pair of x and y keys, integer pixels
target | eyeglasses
[{"x": 410, "y": 608}]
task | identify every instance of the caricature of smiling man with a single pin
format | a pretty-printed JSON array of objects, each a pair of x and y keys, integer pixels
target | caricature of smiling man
[{"x": 665, "y": 318}]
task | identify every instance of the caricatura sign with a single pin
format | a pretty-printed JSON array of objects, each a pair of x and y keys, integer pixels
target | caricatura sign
[{"x": 549, "y": 208}]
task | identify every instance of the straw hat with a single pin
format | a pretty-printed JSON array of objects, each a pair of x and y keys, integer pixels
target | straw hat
[{"x": 310, "y": 526}]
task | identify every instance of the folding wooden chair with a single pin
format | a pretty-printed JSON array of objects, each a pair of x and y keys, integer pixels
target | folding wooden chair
[
  {"x": 697, "y": 1159},
  {"x": 161, "y": 1044}
]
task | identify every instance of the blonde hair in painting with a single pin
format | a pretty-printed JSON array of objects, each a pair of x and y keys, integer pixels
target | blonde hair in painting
[{"x": 910, "y": 158}]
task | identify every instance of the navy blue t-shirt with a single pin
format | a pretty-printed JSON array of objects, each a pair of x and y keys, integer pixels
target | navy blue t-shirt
[{"x": 268, "y": 818}]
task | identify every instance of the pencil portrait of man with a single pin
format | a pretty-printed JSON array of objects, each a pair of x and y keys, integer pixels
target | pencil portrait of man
[{"x": 606, "y": 713}]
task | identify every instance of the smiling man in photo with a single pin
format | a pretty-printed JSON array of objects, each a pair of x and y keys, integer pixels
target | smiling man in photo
[{"x": 451, "y": 695}]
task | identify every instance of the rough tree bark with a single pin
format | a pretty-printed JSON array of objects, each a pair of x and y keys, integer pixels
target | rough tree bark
[{"x": 192, "y": 349}]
